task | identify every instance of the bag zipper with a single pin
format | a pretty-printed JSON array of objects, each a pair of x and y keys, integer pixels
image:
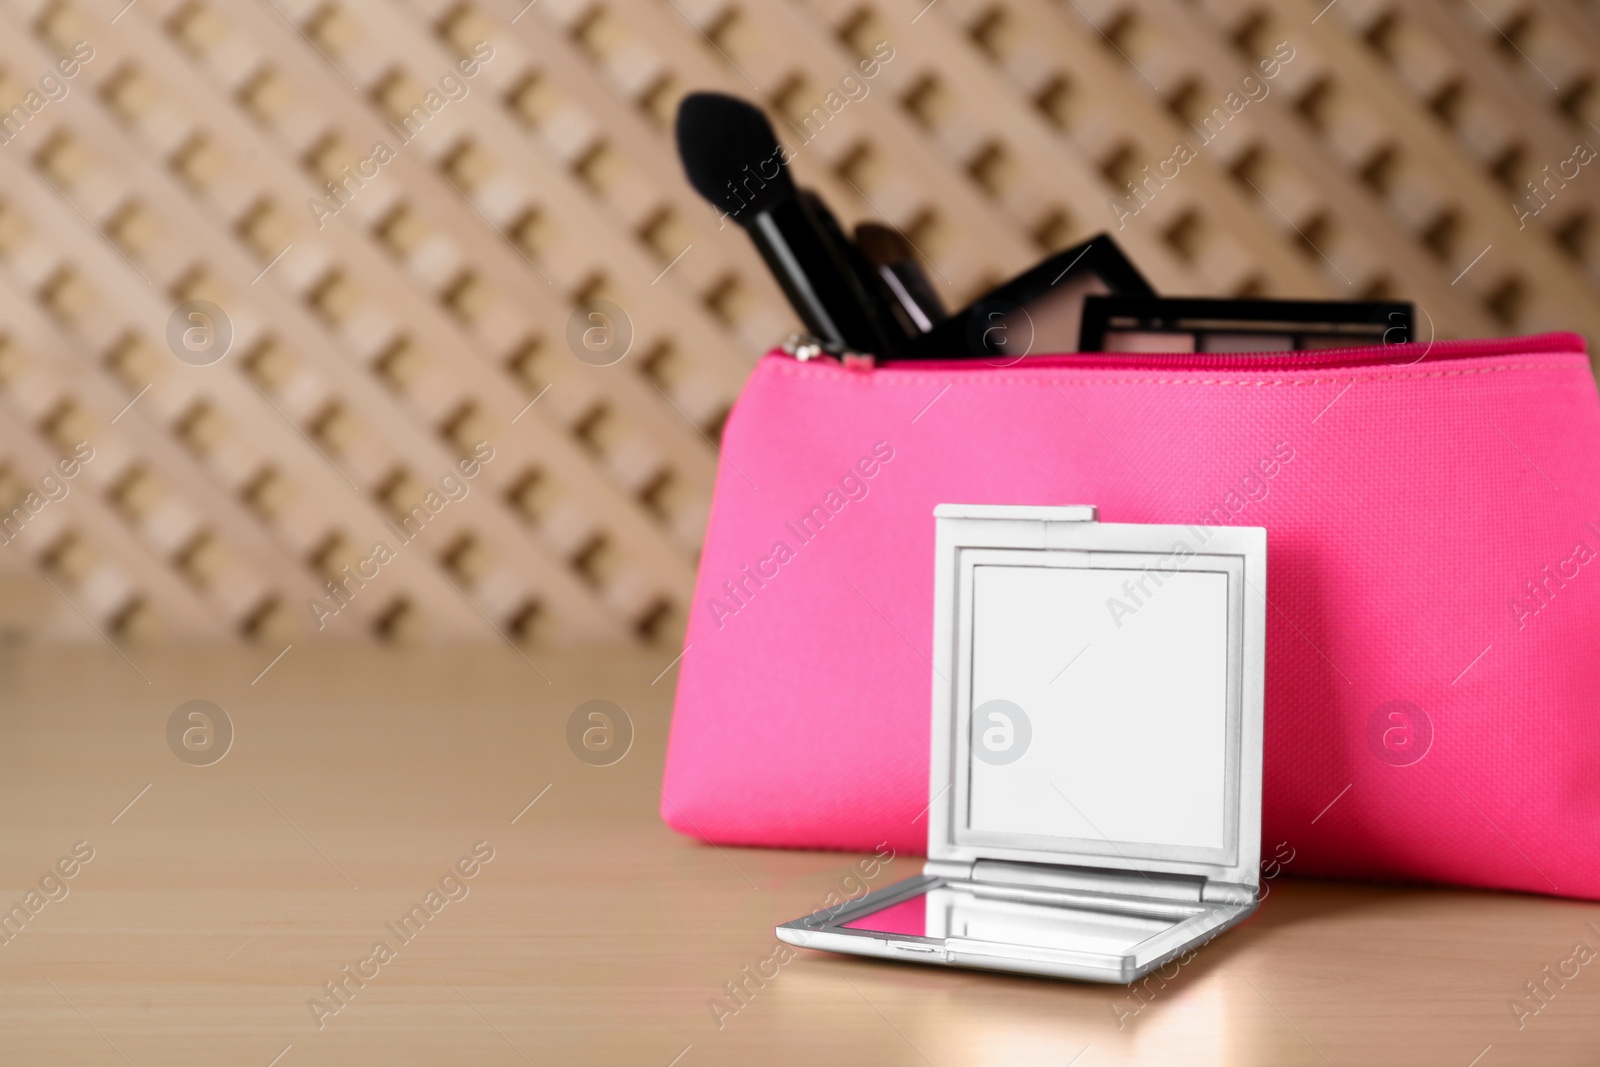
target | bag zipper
[{"x": 806, "y": 349}]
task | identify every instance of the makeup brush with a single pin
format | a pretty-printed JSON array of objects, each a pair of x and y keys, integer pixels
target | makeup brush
[
  {"x": 733, "y": 159},
  {"x": 891, "y": 255}
]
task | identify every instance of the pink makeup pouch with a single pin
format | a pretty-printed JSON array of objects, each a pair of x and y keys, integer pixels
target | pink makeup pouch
[{"x": 1433, "y": 643}]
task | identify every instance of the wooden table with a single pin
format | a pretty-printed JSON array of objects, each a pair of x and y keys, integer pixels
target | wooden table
[{"x": 221, "y": 898}]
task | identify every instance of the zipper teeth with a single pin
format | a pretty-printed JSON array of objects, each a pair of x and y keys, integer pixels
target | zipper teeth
[{"x": 1328, "y": 358}]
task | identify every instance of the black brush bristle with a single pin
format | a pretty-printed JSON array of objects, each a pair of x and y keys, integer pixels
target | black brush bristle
[{"x": 731, "y": 155}]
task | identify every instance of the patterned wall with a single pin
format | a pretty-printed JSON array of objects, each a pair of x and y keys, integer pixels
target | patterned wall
[{"x": 286, "y": 286}]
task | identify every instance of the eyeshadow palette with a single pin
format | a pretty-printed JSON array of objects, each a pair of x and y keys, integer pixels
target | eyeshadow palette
[{"x": 1156, "y": 324}]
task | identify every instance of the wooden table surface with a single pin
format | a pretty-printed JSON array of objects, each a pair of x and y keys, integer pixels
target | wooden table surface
[{"x": 221, "y": 898}]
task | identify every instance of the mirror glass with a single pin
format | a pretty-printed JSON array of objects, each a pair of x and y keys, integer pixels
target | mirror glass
[
  {"x": 1099, "y": 703},
  {"x": 961, "y": 909}
]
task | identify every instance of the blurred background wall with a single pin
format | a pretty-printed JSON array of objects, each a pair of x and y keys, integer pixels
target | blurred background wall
[{"x": 274, "y": 271}]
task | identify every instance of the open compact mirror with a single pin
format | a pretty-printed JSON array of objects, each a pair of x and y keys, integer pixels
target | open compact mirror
[{"x": 1095, "y": 787}]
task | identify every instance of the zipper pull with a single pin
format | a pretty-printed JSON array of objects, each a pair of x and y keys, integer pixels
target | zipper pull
[{"x": 806, "y": 347}]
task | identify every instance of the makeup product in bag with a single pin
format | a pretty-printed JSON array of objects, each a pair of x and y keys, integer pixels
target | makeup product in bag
[
  {"x": 734, "y": 160},
  {"x": 889, "y": 253},
  {"x": 1039, "y": 311},
  {"x": 880, "y": 301},
  {"x": 1133, "y": 324}
]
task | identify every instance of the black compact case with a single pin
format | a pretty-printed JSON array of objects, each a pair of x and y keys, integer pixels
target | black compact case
[{"x": 1038, "y": 311}]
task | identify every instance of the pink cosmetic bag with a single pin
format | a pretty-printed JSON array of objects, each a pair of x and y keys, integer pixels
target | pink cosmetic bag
[{"x": 1433, "y": 644}]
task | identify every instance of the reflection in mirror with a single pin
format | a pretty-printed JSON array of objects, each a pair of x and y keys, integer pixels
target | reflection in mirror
[
  {"x": 1099, "y": 702},
  {"x": 969, "y": 911}
]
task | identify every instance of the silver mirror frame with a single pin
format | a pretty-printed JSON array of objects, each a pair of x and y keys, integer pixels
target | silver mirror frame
[{"x": 1073, "y": 537}]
